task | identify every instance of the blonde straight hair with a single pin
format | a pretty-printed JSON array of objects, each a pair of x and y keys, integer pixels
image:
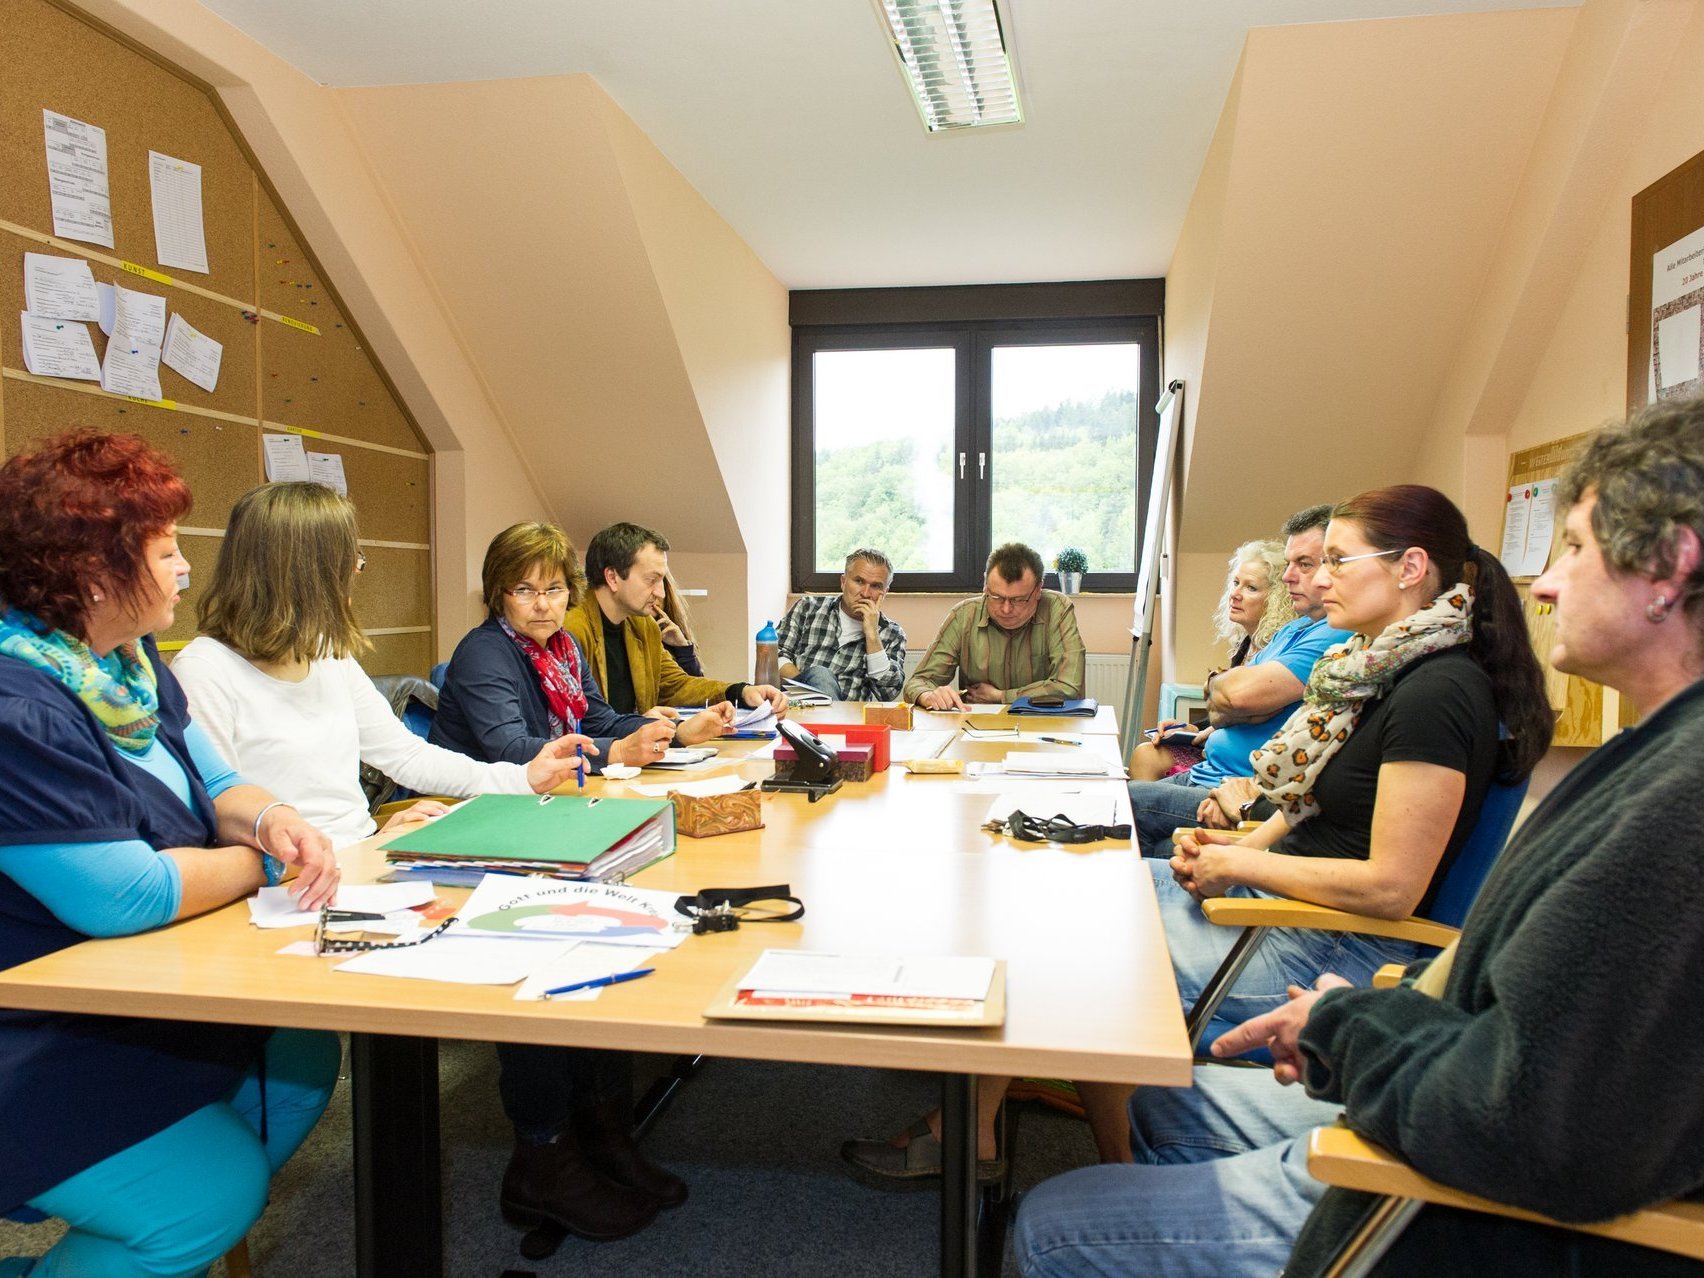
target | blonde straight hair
[{"x": 280, "y": 588}]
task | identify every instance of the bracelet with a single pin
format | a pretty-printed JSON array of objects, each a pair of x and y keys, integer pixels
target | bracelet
[{"x": 270, "y": 865}]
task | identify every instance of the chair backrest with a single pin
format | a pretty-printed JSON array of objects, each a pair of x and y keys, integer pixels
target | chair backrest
[
  {"x": 415, "y": 702},
  {"x": 438, "y": 673},
  {"x": 1461, "y": 885}
]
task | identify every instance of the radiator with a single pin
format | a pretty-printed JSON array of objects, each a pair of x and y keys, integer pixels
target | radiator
[{"x": 1104, "y": 674}]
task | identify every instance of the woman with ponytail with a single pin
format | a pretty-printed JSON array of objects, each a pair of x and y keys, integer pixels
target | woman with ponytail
[{"x": 1379, "y": 777}]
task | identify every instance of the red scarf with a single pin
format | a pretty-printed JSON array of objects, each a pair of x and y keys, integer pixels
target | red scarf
[{"x": 557, "y": 666}]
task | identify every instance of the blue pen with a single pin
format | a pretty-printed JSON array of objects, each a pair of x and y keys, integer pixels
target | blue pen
[
  {"x": 580, "y": 754},
  {"x": 600, "y": 982}
]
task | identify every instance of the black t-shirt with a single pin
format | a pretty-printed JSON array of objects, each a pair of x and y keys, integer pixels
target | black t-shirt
[
  {"x": 618, "y": 684},
  {"x": 1439, "y": 710}
]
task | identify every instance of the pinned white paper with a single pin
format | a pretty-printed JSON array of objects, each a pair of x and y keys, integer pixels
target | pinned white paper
[
  {"x": 285, "y": 458},
  {"x": 179, "y": 239},
  {"x": 108, "y": 295},
  {"x": 327, "y": 469},
  {"x": 60, "y": 288},
  {"x": 132, "y": 364},
  {"x": 59, "y": 348},
  {"x": 192, "y": 353},
  {"x": 77, "y": 179}
]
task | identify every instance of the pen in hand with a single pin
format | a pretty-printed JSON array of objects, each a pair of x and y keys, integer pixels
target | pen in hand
[
  {"x": 580, "y": 754},
  {"x": 599, "y": 982}
]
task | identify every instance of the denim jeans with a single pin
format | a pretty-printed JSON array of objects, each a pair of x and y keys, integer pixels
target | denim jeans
[
  {"x": 822, "y": 679},
  {"x": 541, "y": 1086},
  {"x": 1159, "y": 807},
  {"x": 1288, "y": 956},
  {"x": 1219, "y": 1187}
]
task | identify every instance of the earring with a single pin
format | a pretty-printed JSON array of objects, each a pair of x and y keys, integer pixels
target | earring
[
  {"x": 1657, "y": 610},
  {"x": 1402, "y": 585},
  {"x": 95, "y": 598}
]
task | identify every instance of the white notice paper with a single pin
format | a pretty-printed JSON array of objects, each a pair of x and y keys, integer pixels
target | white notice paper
[
  {"x": 327, "y": 469},
  {"x": 285, "y": 458},
  {"x": 1529, "y": 522},
  {"x": 59, "y": 348},
  {"x": 77, "y": 179},
  {"x": 192, "y": 353},
  {"x": 60, "y": 288},
  {"x": 132, "y": 364},
  {"x": 1675, "y": 349},
  {"x": 1676, "y": 271},
  {"x": 108, "y": 295},
  {"x": 179, "y": 239}
]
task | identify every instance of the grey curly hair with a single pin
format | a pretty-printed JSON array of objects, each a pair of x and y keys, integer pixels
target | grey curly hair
[{"x": 1648, "y": 474}]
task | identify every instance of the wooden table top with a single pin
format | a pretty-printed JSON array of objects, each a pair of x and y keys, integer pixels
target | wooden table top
[{"x": 897, "y": 865}]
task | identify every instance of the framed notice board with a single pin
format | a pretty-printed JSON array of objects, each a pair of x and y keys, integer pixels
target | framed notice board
[
  {"x": 291, "y": 360},
  {"x": 1665, "y": 288}
]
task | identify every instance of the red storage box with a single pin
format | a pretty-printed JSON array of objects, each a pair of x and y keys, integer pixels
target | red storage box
[{"x": 875, "y": 735}]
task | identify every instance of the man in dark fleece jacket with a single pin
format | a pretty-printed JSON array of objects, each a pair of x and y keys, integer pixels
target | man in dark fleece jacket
[{"x": 1557, "y": 1068}]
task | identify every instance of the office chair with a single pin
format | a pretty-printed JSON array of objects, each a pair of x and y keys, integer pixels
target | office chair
[{"x": 1258, "y": 915}]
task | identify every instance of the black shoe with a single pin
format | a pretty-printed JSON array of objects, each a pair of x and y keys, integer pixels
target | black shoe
[
  {"x": 557, "y": 1183},
  {"x": 605, "y": 1133}
]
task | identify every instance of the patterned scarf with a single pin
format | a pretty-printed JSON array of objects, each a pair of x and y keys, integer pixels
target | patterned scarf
[
  {"x": 126, "y": 703},
  {"x": 558, "y": 668},
  {"x": 1343, "y": 681}
]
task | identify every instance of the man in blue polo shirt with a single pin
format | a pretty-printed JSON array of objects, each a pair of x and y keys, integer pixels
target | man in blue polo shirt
[{"x": 1248, "y": 703}]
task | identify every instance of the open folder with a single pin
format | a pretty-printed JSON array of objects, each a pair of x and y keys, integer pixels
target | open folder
[{"x": 565, "y": 836}]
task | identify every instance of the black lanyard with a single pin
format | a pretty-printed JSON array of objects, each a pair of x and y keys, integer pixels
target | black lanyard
[{"x": 720, "y": 909}]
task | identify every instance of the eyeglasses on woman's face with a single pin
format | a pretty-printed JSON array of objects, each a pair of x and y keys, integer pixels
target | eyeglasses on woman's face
[
  {"x": 1333, "y": 564},
  {"x": 526, "y": 594}
]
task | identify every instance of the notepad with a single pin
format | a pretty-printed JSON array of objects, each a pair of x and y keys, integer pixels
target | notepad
[{"x": 806, "y": 985}]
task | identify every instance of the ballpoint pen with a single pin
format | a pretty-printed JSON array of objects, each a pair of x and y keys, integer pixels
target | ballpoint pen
[
  {"x": 599, "y": 982},
  {"x": 1060, "y": 741},
  {"x": 580, "y": 754}
]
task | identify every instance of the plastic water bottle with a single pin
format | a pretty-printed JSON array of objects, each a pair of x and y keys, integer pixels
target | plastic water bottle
[{"x": 766, "y": 666}]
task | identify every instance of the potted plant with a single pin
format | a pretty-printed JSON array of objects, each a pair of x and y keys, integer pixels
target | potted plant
[{"x": 1071, "y": 564}]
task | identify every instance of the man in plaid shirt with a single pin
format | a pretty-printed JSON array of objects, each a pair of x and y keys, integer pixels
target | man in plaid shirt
[{"x": 841, "y": 644}]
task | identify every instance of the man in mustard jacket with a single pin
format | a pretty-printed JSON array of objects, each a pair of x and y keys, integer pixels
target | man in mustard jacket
[{"x": 625, "y": 567}]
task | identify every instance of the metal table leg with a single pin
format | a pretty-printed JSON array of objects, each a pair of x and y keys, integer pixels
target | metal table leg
[
  {"x": 958, "y": 1176},
  {"x": 399, "y": 1217}
]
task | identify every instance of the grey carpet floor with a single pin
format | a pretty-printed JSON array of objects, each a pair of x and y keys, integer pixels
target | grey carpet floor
[{"x": 757, "y": 1141}]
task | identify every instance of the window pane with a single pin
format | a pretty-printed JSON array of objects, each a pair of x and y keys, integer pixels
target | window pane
[
  {"x": 1064, "y": 450},
  {"x": 884, "y": 456}
]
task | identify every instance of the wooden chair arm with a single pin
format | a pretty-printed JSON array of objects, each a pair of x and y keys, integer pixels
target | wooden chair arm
[
  {"x": 1259, "y": 911},
  {"x": 388, "y": 810},
  {"x": 1243, "y": 827},
  {"x": 1388, "y": 977},
  {"x": 1337, "y": 1156}
]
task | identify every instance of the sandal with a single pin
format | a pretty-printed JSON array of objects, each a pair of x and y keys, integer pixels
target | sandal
[{"x": 915, "y": 1165}]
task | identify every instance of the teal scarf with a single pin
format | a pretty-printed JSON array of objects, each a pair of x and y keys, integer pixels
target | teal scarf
[{"x": 121, "y": 691}]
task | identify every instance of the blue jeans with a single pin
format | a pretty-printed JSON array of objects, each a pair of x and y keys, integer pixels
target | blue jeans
[
  {"x": 1288, "y": 956},
  {"x": 1219, "y": 1187},
  {"x": 174, "y": 1203},
  {"x": 822, "y": 679},
  {"x": 1159, "y": 807},
  {"x": 541, "y": 1086}
]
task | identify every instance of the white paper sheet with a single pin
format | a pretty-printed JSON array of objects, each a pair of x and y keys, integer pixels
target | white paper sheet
[
  {"x": 192, "y": 353},
  {"x": 1676, "y": 270},
  {"x": 77, "y": 179},
  {"x": 1676, "y": 348},
  {"x": 327, "y": 469},
  {"x": 816, "y": 973},
  {"x": 60, "y": 288},
  {"x": 132, "y": 370},
  {"x": 286, "y": 459},
  {"x": 758, "y": 718},
  {"x": 1529, "y": 522},
  {"x": 547, "y": 910},
  {"x": 1060, "y": 763},
  {"x": 175, "y": 187},
  {"x": 108, "y": 295},
  {"x": 276, "y": 907},
  {"x": 59, "y": 348},
  {"x": 584, "y": 961},
  {"x": 459, "y": 960}
]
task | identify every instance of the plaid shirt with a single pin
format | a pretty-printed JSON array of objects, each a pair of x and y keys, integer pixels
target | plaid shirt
[
  {"x": 1044, "y": 656},
  {"x": 809, "y": 635}
]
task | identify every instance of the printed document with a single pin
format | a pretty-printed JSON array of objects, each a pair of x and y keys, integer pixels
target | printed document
[
  {"x": 60, "y": 288},
  {"x": 192, "y": 353},
  {"x": 285, "y": 458},
  {"x": 179, "y": 239},
  {"x": 77, "y": 179},
  {"x": 327, "y": 469},
  {"x": 59, "y": 348}
]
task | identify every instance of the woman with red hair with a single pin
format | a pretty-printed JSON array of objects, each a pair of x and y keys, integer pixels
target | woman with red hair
[{"x": 121, "y": 817}]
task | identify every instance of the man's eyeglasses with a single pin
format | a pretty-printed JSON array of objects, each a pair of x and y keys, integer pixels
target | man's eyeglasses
[
  {"x": 1009, "y": 601},
  {"x": 343, "y": 922},
  {"x": 1333, "y": 564},
  {"x": 526, "y": 594}
]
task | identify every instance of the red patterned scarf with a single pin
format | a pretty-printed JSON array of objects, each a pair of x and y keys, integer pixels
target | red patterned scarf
[{"x": 557, "y": 666}]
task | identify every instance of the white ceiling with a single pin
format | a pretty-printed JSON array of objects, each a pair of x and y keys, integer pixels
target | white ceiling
[{"x": 791, "y": 119}]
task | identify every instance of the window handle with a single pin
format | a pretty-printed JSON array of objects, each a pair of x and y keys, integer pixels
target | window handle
[
  {"x": 982, "y": 465},
  {"x": 961, "y": 465}
]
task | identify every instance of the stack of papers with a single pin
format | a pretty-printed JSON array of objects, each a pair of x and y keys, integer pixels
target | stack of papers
[
  {"x": 802, "y": 694},
  {"x": 1058, "y": 763},
  {"x": 808, "y": 985},
  {"x": 683, "y": 757},
  {"x": 753, "y": 721}
]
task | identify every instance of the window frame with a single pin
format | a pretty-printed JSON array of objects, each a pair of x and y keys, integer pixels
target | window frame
[{"x": 973, "y": 334}]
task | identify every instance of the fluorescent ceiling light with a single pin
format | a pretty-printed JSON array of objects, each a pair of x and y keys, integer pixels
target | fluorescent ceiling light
[{"x": 954, "y": 56}]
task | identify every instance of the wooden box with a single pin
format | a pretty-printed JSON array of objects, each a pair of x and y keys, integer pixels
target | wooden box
[
  {"x": 701, "y": 817},
  {"x": 895, "y": 715},
  {"x": 855, "y": 762}
]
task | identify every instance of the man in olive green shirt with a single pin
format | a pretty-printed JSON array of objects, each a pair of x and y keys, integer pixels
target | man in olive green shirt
[{"x": 1014, "y": 640}]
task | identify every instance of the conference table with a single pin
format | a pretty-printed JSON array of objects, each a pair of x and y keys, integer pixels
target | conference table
[{"x": 895, "y": 866}]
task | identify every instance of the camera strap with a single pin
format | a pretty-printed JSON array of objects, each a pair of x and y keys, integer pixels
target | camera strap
[{"x": 724, "y": 909}]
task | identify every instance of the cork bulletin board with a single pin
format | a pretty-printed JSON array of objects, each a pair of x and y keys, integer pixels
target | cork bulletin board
[{"x": 293, "y": 361}]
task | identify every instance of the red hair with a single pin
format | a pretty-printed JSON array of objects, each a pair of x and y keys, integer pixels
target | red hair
[{"x": 75, "y": 513}]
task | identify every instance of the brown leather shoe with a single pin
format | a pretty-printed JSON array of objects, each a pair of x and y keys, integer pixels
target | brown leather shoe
[
  {"x": 605, "y": 1133},
  {"x": 556, "y": 1183}
]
